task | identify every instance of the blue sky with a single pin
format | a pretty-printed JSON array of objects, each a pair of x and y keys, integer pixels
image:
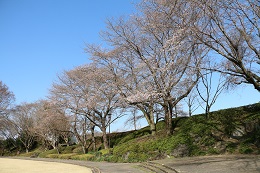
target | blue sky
[{"x": 41, "y": 38}]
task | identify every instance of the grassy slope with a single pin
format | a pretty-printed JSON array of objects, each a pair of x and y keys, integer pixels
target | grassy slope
[{"x": 193, "y": 136}]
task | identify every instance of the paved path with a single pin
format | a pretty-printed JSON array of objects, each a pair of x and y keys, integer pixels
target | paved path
[
  {"x": 215, "y": 164},
  {"x": 205, "y": 164}
]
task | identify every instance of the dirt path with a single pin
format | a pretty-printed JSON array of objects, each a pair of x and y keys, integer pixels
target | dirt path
[{"x": 8, "y": 165}]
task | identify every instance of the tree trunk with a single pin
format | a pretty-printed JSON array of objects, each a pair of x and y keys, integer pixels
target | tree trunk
[
  {"x": 58, "y": 151},
  {"x": 153, "y": 129},
  {"x": 167, "y": 106},
  {"x": 104, "y": 136},
  {"x": 84, "y": 150},
  {"x": 93, "y": 137},
  {"x": 152, "y": 123},
  {"x": 135, "y": 120},
  {"x": 150, "y": 119},
  {"x": 190, "y": 111},
  {"x": 207, "y": 112}
]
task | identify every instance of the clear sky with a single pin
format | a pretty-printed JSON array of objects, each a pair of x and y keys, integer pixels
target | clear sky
[{"x": 41, "y": 38}]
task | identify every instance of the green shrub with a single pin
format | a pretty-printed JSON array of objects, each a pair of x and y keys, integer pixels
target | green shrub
[
  {"x": 67, "y": 149},
  {"x": 78, "y": 149},
  {"x": 26, "y": 154},
  {"x": 66, "y": 156},
  {"x": 245, "y": 149},
  {"x": 52, "y": 156},
  {"x": 198, "y": 152},
  {"x": 33, "y": 153},
  {"x": 83, "y": 157},
  {"x": 30, "y": 154},
  {"x": 160, "y": 126},
  {"x": 60, "y": 156},
  {"x": 137, "y": 157},
  {"x": 45, "y": 153},
  {"x": 213, "y": 151},
  {"x": 231, "y": 147},
  {"x": 104, "y": 151}
]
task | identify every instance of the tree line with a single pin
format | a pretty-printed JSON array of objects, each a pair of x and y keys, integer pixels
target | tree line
[{"x": 169, "y": 52}]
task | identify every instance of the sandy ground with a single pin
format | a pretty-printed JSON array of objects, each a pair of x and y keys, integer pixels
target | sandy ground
[{"x": 28, "y": 166}]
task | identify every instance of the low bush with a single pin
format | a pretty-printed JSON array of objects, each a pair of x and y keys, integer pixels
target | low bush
[
  {"x": 245, "y": 149},
  {"x": 45, "y": 153},
  {"x": 105, "y": 152},
  {"x": 83, "y": 157},
  {"x": 78, "y": 149},
  {"x": 52, "y": 156},
  {"x": 231, "y": 147},
  {"x": 67, "y": 149}
]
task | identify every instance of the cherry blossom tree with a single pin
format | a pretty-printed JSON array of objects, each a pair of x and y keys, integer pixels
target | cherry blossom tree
[
  {"x": 231, "y": 30},
  {"x": 128, "y": 78},
  {"x": 102, "y": 98},
  {"x": 156, "y": 53},
  {"x": 22, "y": 120},
  {"x": 67, "y": 94},
  {"x": 6, "y": 99},
  {"x": 51, "y": 124},
  {"x": 94, "y": 93}
]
